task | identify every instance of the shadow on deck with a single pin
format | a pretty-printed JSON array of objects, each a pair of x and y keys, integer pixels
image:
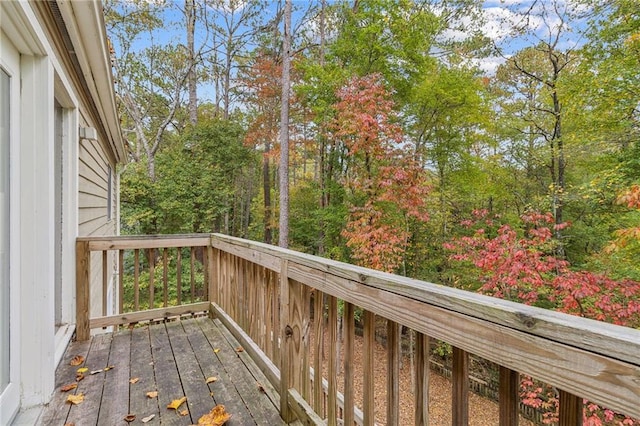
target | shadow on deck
[{"x": 175, "y": 359}]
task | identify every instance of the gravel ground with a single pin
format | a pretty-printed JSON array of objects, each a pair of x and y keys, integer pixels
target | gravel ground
[{"x": 482, "y": 411}]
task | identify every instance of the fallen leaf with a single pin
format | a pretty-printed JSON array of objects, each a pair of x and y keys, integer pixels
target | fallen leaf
[
  {"x": 134, "y": 380},
  {"x": 176, "y": 403},
  {"x": 79, "y": 377},
  {"x": 239, "y": 349},
  {"x": 211, "y": 379},
  {"x": 95, "y": 372},
  {"x": 260, "y": 387},
  {"x": 152, "y": 394},
  {"x": 147, "y": 419},
  {"x": 69, "y": 424},
  {"x": 82, "y": 370},
  {"x": 129, "y": 418},
  {"x": 211, "y": 394},
  {"x": 68, "y": 387},
  {"x": 75, "y": 399},
  {"x": 216, "y": 417},
  {"x": 77, "y": 360},
  {"x": 216, "y": 350},
  {"x": 184, "y": 412},
  {"x": 109, "y": 367}
]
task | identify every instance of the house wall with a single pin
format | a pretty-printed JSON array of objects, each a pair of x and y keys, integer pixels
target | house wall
[{"x": 59, "y": 181}]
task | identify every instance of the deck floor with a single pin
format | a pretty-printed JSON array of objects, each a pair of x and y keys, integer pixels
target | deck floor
[{"x": 175, "y": 359}]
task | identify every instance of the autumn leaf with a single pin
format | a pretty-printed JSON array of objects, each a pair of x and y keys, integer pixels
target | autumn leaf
[
  {"x": 82, "y": 370},
  {"x": 211, "y": 379},
  {"x": 216, "y": 350},
  {"x": 260, "y": 387},
  {"x": 239, "y": 349},
  {"x": 77, "y": 360},
  {"x": 75, "y": 399},
  {"x": 69, "y": 424},
  {"x": 129, "y": 418},
  {"x": 68, "y": 387},
  {"x": 134, "y": 380},
  {"x": 184, "y": 412},
  {"x": 109, "y": 367},
  {"x": 152, "y": 394},
  {"x": 79, "y": 377},
  {"x": 148, "y": 418},
  {"x": 216, "y": 417},
  {"x": 176, "y": 403}
]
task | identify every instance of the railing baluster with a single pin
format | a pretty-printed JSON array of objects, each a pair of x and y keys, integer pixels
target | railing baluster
[
  {"x": 509, "y": 396},
  {"x": 120, "y": 281},
  {"x": 165, "y": 274},
  {"x": 105, "y": 284},
  {"x": 152, "y": 272},
  {"x": 286, "y": 334},
  {"x": 393, "y": 373},
  {"x": 348, "y": 336},
  {"x": 421, "y": 394},
  {"x": 136, "y": 279},
  {"x": 332, "y": 400},
  {"x": 318, "y": 333},
  {"x": 179, "y": 275},
  {"x": 192, "y": 264},
  {"x": 571, "y": 408},
  {"x": 460, "y": 383},
  {"x": 368, "y": 403},
  {"x": 211, "y": 267}
]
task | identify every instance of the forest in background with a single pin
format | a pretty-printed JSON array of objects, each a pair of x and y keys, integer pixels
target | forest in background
[{"x": 407, "y": 152}]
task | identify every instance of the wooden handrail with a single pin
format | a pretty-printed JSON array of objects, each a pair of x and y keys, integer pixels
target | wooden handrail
[{"x": 265, "y": 295}]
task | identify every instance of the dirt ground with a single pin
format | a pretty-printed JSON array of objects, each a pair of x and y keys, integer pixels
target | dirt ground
[{"x": 482, "y": 411}]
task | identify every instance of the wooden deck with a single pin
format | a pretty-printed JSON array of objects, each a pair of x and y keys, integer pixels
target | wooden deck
[{"x": 175, "y": 359}]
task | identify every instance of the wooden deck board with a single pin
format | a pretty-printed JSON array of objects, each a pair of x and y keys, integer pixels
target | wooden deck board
[{"x": 173, "y": 359}]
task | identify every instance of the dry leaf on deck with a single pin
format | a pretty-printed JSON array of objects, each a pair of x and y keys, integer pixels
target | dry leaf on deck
[
  {"x": 79, "y": 377},
  {"x": 95, "y": 372},
  {"x": 77, "y": 360},
  {"x": 75, "y": 399},
  {"x": 184, "y": 412},
  {"x": 216, "y": 350},
  {"x": 109, "y": 367},
  {"x": 129, "y": 418},
  {"x": 68, "y": 387},
  {"x": 82, "y": 370},
  {"x": 134, "y": 380},
  {"x": 176, "y": 403},
  {"x": 260, "y": 387},
  {"x": 216, "y": 417},
  {"x": 211, "y": 379},
  {"x": 148, "y": 418},
  {"x": 152, "y": 394},
  {"x": 69, "y": 424},
  {"x": 239, "y": 349}
]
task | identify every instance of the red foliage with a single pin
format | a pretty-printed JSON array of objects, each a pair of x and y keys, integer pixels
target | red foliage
[
  {"x": 522, "y": 267},
  {"x": 382, "y": 173}
]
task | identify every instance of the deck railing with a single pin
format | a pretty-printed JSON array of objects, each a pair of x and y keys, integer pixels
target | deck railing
[{"x": 285, "y": 308}]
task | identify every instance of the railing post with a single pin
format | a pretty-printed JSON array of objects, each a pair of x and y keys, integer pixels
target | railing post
[
  {"x": 509, "y": 398},
  {"x": 211, "y": 277},
  {"x": 83, "y": 266},
  {"x": 421, "y": 394},
  {"x": 570, "y": 409},
  {"x": 286, "y": 334},
  {"x": 460, "y": 379}
]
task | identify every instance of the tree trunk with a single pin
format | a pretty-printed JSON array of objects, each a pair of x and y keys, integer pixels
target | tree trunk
[
  {"x": 190, "y": 12},
  {"x": 283, "y": 235}
]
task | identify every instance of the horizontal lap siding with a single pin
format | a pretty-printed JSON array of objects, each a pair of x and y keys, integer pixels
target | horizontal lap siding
[{"x": 93, "y": 220}]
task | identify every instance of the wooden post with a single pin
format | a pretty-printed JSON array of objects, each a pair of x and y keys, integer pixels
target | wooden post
[
  {"x": 179, "y": 274},
  {"x": 286, "y": 335},
  {"x": 332, "y": 399},
  {"x": 460, "y": 379},
  {"x": 211, "y": 277},
  {"x": 509, "y": 396},
  {"x": 571, "y": 408},
  {"x": 393, "y": 373},
  {"x": 421, "y": 395},
  {"x": 83, "y": 266},
  {"x": 349, "y": 336},
  {"x": 105, "y": 282},
  {"x": 120, "y": 281},
  {"x": 318, "y": 332},
  {"x": 368, "y": 400}
]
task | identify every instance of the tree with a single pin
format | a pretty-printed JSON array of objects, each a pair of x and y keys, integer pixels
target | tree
[
  {"x": 283, "y": 234},
  {"x": 384, "y": 180},
  {"x": 522, "y": 265}
]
